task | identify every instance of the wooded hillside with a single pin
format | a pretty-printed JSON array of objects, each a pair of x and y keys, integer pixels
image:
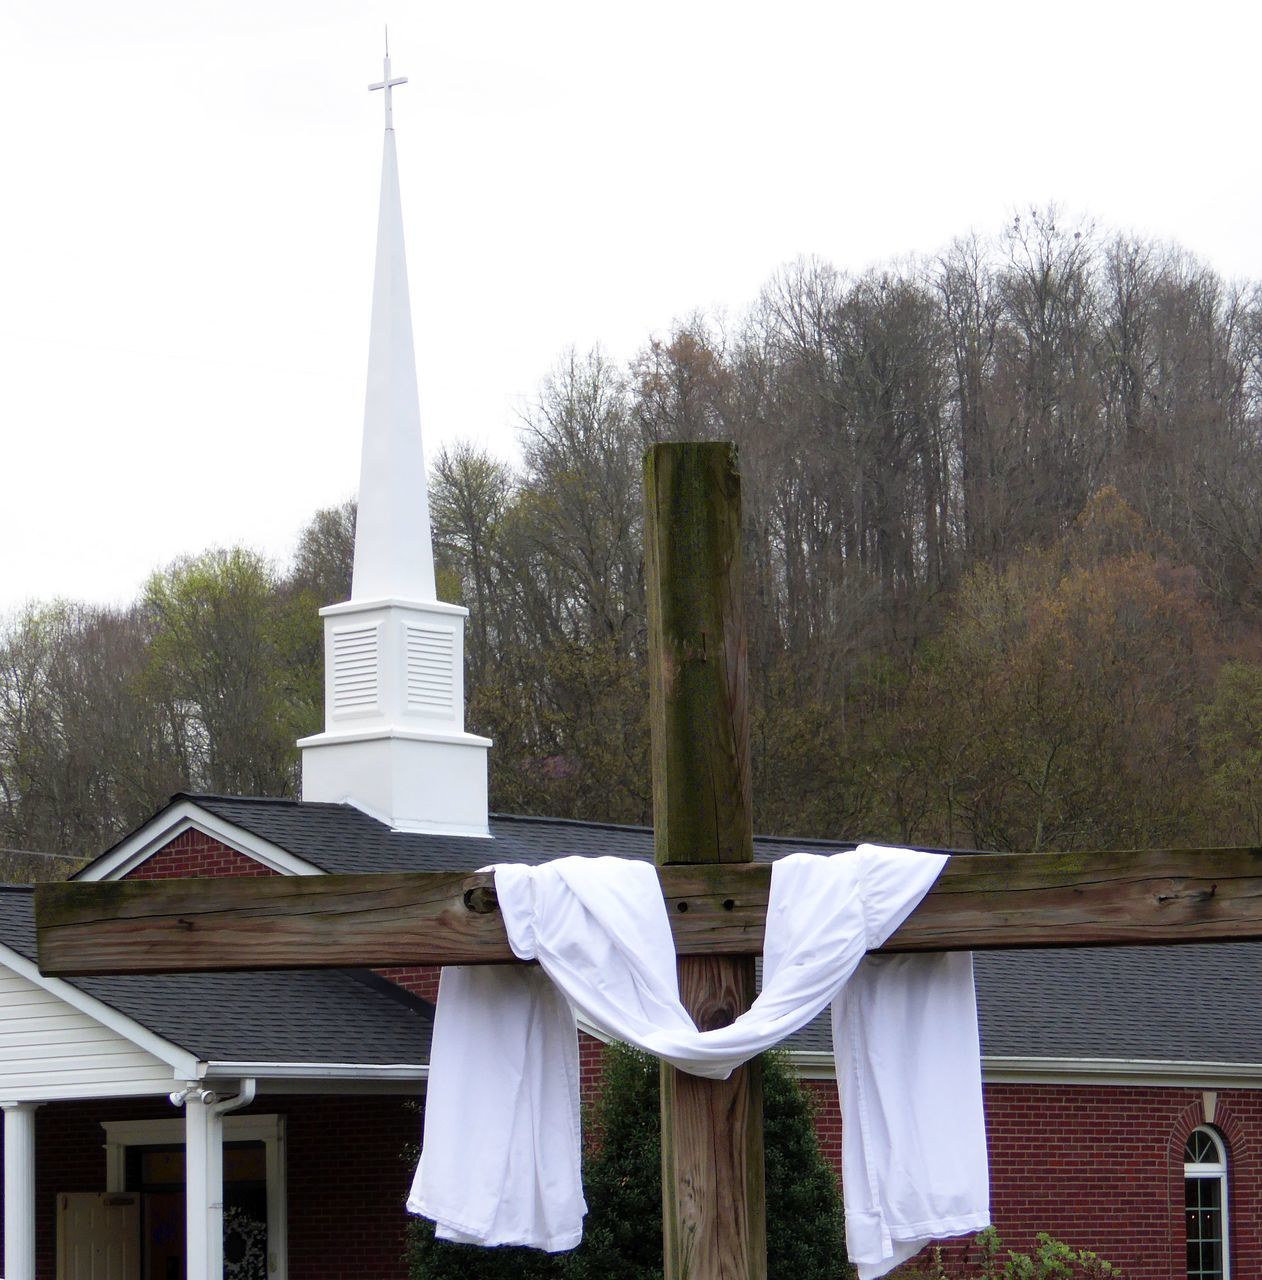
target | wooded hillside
[{"x": 1003, "y": 532}]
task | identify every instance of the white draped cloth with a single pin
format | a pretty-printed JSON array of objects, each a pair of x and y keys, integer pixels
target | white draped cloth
[{"x": 501, "y": 1154}]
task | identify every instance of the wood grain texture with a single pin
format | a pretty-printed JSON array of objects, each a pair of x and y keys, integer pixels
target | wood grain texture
[
  {"x": 999, "y": 901},
  {"x": 713, "y": 1202},
  {"x": 714, "y": 1209},
  {"x": 282, "y": 922},
  {"x": 698, "y": 704},
  {"x": 981, "y": 902}
]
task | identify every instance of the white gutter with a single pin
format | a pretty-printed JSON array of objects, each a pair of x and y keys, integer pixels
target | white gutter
[
  {"x": 315, "y": 1070},
  {"x": 1152, "y": 1072},
  {"x": 813, "y": 1064}
]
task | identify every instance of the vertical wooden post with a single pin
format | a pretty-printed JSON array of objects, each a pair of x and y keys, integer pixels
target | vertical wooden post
[{"x": 712, "y": 1147}]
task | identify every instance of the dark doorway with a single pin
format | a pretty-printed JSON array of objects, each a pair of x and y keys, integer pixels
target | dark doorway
[{"x": 157, "y": 1172}]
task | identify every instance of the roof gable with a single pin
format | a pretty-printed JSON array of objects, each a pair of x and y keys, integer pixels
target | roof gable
[{"x": 182, "y": 814}]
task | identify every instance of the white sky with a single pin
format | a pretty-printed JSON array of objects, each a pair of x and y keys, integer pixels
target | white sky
[{"x": 188, "y": 196}]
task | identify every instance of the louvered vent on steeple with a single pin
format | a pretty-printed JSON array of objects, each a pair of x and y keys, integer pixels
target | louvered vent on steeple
[
  {"x": 430, "y": 656},
  {"x": 355, "y": 669}
]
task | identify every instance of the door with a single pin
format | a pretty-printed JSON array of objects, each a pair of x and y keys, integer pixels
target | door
[
  {"x": 98, "y": 1236},
  {"x": 156, "y": 1175}
]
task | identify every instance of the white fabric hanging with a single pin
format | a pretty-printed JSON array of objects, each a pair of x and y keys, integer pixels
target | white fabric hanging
[
  {"x": 599, "y": 930},
  {"x": 501, "y": 1160},
  {"x": 913, "y": 1135}
]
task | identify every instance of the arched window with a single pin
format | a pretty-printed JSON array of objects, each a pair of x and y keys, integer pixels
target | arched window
[{"x": 1205, "y": 1199}]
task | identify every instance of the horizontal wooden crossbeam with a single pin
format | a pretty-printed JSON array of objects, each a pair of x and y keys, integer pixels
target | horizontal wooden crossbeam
[{"x": 981, "y": 902}]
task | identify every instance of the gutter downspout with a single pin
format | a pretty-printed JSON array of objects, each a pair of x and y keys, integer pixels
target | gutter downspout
[{"x": 214, "y": 1172}]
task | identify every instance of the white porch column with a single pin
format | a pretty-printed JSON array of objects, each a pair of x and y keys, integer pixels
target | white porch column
[
  {"x": 197, "y": 1138},
  {"x": 19, "y": 1190}
]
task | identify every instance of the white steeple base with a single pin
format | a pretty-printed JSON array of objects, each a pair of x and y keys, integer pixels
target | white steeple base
[
  {"x": 394, "y": 742},
  {"x": 434, "y": 783}
]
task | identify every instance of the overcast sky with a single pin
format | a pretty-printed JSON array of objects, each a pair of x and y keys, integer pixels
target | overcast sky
[{"x": 189, "y": 190}]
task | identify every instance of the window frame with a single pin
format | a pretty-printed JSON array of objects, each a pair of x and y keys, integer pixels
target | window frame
[{"x": 1205, "y": 1171}]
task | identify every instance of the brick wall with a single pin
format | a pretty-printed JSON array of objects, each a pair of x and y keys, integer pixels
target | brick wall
[
  {"x": 1098, "y": 1166},
  {"x": 193, "y": 853},
  {"x": 420, "y": 980},
  {"x": 591, "y": 1067},
  {"x": 1101, "y": 1167},
  {"x": 350, "y": 1167},
  {"x": 827, "y": 1119}
]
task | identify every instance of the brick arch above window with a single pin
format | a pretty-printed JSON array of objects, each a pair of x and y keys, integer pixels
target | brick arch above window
[{"x": 1226, "y": 1121}]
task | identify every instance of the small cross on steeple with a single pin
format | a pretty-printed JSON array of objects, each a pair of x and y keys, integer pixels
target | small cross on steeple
[{"x": 387, "y": 84}]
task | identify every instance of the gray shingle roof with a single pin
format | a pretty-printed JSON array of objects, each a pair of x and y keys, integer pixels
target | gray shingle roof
[
  {"x": 321, "y": 1016},
  {"x": 339, "y": 838},
  {"x": 1191, "y": 1003}
]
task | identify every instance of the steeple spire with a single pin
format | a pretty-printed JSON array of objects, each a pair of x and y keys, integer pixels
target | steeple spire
[
  {"x": 394, "y": 742},
  {"x": 394, "y": 557}
]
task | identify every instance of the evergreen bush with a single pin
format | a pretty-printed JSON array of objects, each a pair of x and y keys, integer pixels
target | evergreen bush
[{"x": 622, "y": 1179}]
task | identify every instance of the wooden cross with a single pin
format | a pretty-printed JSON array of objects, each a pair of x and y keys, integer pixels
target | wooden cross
[{"x": 713, "y": 1206}]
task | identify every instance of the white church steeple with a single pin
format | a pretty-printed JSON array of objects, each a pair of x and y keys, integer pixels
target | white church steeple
[
  {"x": 394, "y": 742},
  {"x": 393, "y": 553}
]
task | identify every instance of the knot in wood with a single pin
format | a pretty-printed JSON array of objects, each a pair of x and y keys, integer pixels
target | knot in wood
[
  {"x": 710, "y": 1015},
  {"x": 1191, "y": 895},
  {"x": 481, "y": 899}
]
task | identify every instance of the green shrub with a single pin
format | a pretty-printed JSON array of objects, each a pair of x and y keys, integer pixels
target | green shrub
[
  {"x": 622, "y": 1236},
  {"x": 1052, "y": 1259}
]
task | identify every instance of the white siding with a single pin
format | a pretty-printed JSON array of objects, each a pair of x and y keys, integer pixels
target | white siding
[{"x": 48, "y": 1049}]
